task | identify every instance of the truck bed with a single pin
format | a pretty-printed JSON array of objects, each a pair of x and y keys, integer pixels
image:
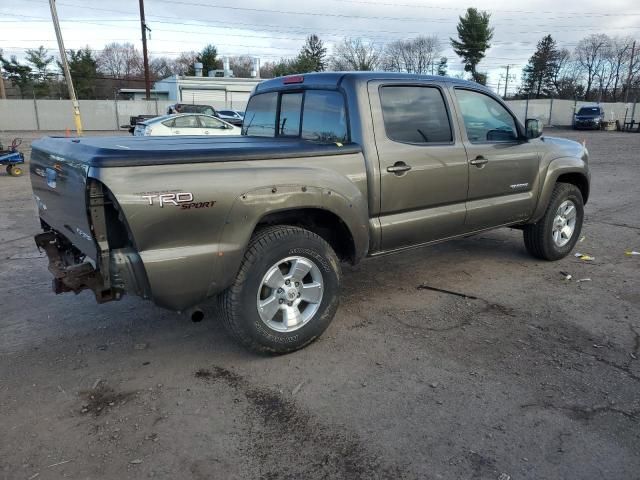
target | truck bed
[{"x": 137, "y": 151}]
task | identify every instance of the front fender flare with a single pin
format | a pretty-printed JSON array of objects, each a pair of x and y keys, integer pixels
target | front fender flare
[{"x": 556, "y": 168}]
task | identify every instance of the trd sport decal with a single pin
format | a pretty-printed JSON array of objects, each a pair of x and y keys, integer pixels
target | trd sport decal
[{"x": 184, "y": 200}]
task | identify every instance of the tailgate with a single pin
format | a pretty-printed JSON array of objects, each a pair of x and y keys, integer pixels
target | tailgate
[{"x": 60, "y": 189}]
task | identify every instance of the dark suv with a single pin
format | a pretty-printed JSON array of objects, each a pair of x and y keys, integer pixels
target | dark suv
[
  {"x": 588, "y": 117},
  {"x": 191, "y": 108}
]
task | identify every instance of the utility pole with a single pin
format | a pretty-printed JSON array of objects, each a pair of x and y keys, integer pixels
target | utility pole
[
  {"x": 144, "y": 28},
  {"x": 506, "y": 83},
  {"x": 631, "y": 62},
  {"x": 65, "y": 68},
  {"x": 3, "y": 94}
]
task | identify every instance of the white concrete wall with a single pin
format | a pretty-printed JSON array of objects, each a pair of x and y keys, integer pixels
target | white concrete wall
[
  {"x": 109, "y": 114},
  {"x": 562, "y": 110},
  {"x": 96, "y": 114}
]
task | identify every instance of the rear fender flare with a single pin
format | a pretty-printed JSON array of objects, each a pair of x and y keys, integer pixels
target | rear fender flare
[{"x": 250, "y": 207}]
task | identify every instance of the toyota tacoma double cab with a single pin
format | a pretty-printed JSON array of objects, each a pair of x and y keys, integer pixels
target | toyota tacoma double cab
[{"x": 330, "y": 168}]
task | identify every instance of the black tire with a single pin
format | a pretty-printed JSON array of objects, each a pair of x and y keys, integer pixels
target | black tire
[
  {"x": 538, "y": 237},
  {"x": 8, "y": 169},
  {"x": 239, "y": 302}
]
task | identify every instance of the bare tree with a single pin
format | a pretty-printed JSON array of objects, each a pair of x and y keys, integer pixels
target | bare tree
[
  {"x": 619, "y": 59},
  {"x": 267, "y": 69},
  {"x": 241, "y": 66},
  {"x": 591, "y": 53},
  {"x": 567, "y": 76},
  {"x": 161, "y": 67},
  {"x": 633, "y": 72},
  {"x": 120, "y": 60},
  {"x": 184, "y": 62},
  {"x": 418, "y": 55},
  {"x": 356, "y": 54}
]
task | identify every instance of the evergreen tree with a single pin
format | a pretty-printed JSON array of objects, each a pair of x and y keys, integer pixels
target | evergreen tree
[
  {"x": 84, "y": 70},
  {"x": 209, "y": 59},
  {"x": 18, "y": 74},
  {"x": 474, "y": 35},
  {"x": 313, "y": 54},
  {"x": 539, "y": 74},
  {"x": 40, "y": 61}
]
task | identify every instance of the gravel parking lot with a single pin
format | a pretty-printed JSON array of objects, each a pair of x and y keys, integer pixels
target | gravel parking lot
[{"x": 530, "y": 376}]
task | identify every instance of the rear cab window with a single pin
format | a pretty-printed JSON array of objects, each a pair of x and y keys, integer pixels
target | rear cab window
[{"x": 315, "y": 115}]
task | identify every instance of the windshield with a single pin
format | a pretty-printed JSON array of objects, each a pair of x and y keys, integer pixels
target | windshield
[
  {"x": 589, "y": 111},
  {"x": 316, "y": 115}
]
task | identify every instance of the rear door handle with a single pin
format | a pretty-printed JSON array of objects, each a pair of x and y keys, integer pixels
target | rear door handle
[
  {"x": 399, "y": 168},
  {"x": 479, "y": 161}
]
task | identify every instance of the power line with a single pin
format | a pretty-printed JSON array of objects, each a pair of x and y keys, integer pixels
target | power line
[
  {"x": 598, "y": 14},
  {"x": 579, "y": 14},
  {"x": 290, "y": 12}
]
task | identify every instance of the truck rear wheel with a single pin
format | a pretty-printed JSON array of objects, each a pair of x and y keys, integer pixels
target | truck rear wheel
[
  {"x": 555, "y": 235},
  {"x": 286, "y": 292}
]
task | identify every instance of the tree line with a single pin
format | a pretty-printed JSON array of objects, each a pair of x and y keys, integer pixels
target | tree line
[{"x": 599, "y": 68}]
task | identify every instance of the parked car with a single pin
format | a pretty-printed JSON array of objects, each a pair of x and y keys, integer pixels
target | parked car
[
  {"x": 171, "y": 109},
  {"x": 135, "y": 120},
  {"x": 234, "y": 117},
  {"x": 185, "y": 124},
  {"x": 331, "y": 167},
  {"x": 191, "y": 108},
  {"x": 590, "y": 116}
]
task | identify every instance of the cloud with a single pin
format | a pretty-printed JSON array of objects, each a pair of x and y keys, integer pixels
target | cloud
[{"x": 270, "y": 29}]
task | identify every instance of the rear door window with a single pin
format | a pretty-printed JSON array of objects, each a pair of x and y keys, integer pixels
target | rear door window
[
  {"x": 415, "y": 114},
  {"x": 188, "y": 121}
]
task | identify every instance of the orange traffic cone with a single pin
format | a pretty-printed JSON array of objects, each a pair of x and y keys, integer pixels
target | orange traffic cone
[{"x": 67, "y": 132}]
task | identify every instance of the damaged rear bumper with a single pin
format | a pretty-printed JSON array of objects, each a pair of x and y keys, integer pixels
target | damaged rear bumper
[{"x": 122, "y": 272}]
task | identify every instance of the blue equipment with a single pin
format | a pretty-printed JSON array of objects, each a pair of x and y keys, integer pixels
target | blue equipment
[{"x": 12, "y": 158}]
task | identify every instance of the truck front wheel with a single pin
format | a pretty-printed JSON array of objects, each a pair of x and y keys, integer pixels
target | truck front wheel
[
  {"x": 286, "y": 292},
  {"x": 555, "y": 235}
]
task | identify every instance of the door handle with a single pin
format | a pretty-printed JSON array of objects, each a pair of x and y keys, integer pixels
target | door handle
[
  {"x": 399, "y": 168},
  {"x": 206, "y": 132},
  {"x": 479, "y": 161},
  {"x": 176, "y": 131}
]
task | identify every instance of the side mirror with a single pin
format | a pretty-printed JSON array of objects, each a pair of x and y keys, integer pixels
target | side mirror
[{"x": 533, "y": 127}]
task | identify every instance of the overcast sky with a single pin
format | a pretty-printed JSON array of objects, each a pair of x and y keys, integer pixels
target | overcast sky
[{"x": 271, "y": 30}]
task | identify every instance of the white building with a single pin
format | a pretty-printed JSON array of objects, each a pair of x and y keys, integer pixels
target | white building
[{"x": 219, "y": 92}]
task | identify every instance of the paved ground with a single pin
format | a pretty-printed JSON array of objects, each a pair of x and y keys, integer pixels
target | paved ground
[{"x": 537, "y": 378}]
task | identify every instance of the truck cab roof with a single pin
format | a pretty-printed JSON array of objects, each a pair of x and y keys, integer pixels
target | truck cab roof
[{"x": 334, "y": 79}]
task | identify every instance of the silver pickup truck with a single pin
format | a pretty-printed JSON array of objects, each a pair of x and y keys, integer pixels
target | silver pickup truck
[{"x": 331, "y": 167}]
